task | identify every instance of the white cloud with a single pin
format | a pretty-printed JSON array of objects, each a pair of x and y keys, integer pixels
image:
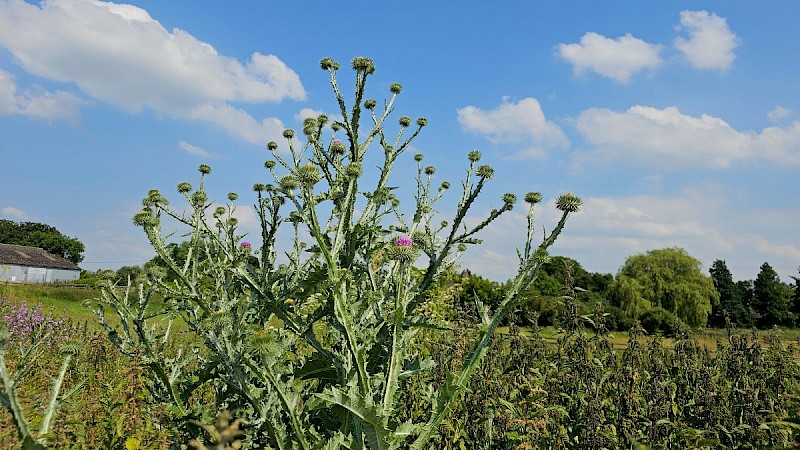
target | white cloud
[
  {"x": 239, "y": 123},
  {"x": 523, "y": 121},
  {"x": 195, "y": 150},
  {"x": 37, "y": 103},
  {"x": 710, "y": 44},
  {"x": 16, "y": 213},
  {"x": 778, "y": 113},
  {"x": 617, "y": 59},
  {"x": 671, "y": 140},
  {"x": 120, "y": 55},
  {"x": 701, "y": 219}
]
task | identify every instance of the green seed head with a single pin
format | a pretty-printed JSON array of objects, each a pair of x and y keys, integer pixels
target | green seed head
[
  {"x": 232, "y": 196},
  {"x": 474, "y": 156},
  {"x": 533, "y": 198},
  {"x": 486, "y": 172},
  {"x": 309, "y": 174},
  {"x": 328, "y": 64},
  {"x": 288, "y": 133},
  {"x": 421, "y": 121},
  {"x": 569, "y": 203},
  {"x": 219, "y": 211},
  {"x": 509, "y": 198},
  {"x": 322, "y": 119},
  {"x": 259, "y": 187},
  {"x": 418, "y": 157},
  {"x": 205, "y": 169},
  {"x": 405, "y": 121},
  {"x": 395, "y": 88},
  {"x": 199, "y": 198},
  {"x": 269, "y": 164},
  {"x": 430, "y": 170},
  {"x": 272, "y": 145},
  {"x": 184, "y": 187},
  {"x": 370, "y": 103},
  {"x": 361, "y": 64},
  {"x": 445, "y": 185},
  {"x": 353, "y": 170},
  {"x": 287, "y": 182}
]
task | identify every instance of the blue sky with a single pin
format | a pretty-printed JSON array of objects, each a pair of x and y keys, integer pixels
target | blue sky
[{"x": 677, "y": 122}]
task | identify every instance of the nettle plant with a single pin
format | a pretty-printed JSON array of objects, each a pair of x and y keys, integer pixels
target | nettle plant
[{"x": 314, "y": 349}]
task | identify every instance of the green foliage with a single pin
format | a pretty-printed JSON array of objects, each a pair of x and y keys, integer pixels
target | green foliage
[
  {"x": 771, "y": 298},
  {"x": 731, "y": 298},
  {"x": 668, "y": 278},
  {"x": 659, "y": 320},
  {"x": 43, "y": 236},
  {"x": 313, "y": 352}
]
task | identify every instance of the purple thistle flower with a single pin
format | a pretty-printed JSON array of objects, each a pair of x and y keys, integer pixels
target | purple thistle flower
[
  {"x": 403, "y": 241},
  {"x": 245, "y": 244}
]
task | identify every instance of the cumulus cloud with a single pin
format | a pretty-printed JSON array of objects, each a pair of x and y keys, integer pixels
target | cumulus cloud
[
  {"x": 710, "y": 44},
  {"x": 37, "y": 103},
  {"x": 521, "y": 122},
  {"x": 671, "y": 140},
  {"x": 16, "y": 213},
  {"x": 118, "y": 54},
  {"x": 618, "y": 59},
  {"x": 778, "y": 113}
]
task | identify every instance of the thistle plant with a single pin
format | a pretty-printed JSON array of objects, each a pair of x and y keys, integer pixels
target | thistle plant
[
  {"x": 313, "y": 349},
  {"x": 32, "y": 345}
]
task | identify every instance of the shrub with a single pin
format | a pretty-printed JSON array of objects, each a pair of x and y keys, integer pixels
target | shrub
[{"x": 659, "y": 320}]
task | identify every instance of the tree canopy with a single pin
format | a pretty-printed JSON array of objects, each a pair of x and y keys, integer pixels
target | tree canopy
[
  {"x": 40, "y": 235},
  {"x": 668, "y": 278}
]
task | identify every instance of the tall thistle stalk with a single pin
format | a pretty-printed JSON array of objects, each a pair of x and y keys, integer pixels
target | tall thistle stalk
[{"x": 312, "y": 350}]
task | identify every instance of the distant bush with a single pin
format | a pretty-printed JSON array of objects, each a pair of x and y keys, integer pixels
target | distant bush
[{"x": 659, "y": 320}]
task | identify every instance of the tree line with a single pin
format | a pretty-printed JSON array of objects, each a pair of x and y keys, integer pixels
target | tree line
[{"x": 33, "y": 234}]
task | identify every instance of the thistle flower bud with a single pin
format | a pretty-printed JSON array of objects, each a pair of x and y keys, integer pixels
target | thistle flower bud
[
  {"x": 336, "y": 126},
  {"x": 403, "y": 250},
  {"x": 533, "y": 198},
  {"x": 145, "y": 218},
  {"x": 184, "y": 187},
  {"x": 474, "y": 156},
  {"x": 309, "y": 174},
  {"x": 509, "y": 198},
  {"x": 295, "y": 217},
  {"x": 430, "y": 170},
  {"x": 328, "y": 64},
  {"x": 353, "y": 170},
  {"x": 462, "y": 247},
  {"x": 269, "y": 164},
  {"x": 287, "y": 182},
  {"x": 405, "y": 121},
  {"x": 418, "y": 157},
  {"x": 338, "y": 148},
  {"x": 288, "y": 133},
  {"x": 569, "y": 203},
  {"x": 310, "y": 122},
  {"x": 322, "y": 119},
  {"x": 445, "y": 185},
  {"x": 199, "y": 198},
  {"x": 363, "y": 64},
  {"x": 232, "y": 196},
  {"x": 370, "y": 103},
  {"x": 272, "y": 145},
  {"x": 421, "y": 121},
  {"x": 233, "y": 221},
  {"x": 205, "y": 169},
  {"x": 395, "y": 88},
  {"x": 259, "y": 187},
  {"x": 219, "y": 211},
  {"x": 485, "y": 171},
  {"x": 444, "y": 224}
]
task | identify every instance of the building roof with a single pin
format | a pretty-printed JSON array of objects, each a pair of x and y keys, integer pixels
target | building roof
[{"x": 21, "y": 255}]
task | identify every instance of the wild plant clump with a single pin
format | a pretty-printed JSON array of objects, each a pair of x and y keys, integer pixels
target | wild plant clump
[{"x": 314, "y": 349}]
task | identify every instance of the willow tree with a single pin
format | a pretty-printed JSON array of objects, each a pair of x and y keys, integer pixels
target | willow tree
[{"x": 671, "y": 279}]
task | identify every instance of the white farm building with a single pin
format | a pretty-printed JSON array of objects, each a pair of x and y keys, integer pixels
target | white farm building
[{"x": 21, "y": 264}]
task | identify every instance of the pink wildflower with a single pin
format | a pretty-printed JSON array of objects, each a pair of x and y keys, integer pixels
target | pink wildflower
[{"x": 403, "y": 241}]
